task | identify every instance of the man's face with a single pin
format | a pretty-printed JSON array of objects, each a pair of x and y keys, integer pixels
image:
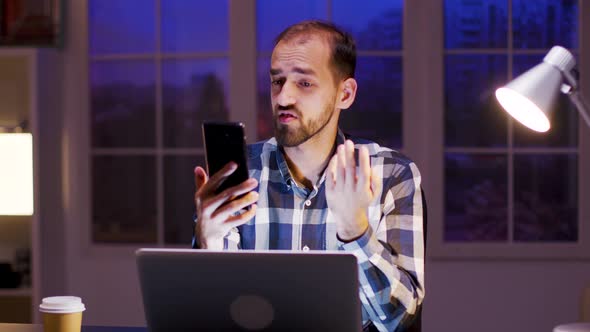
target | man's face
[{"x": 303, "y": 91}]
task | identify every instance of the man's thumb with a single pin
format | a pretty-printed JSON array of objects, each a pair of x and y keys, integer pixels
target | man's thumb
[
  {"x": 200, "y": 177},
  {"x": 376, "y": 184}
]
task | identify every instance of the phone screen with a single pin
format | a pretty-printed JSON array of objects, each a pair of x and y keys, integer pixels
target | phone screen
[{"x": 225, "y": 142}]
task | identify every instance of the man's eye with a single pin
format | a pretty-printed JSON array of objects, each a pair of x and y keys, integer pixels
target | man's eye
[
  {"x": 305, "y": 84},
  {"x": 276, "y": 82}
]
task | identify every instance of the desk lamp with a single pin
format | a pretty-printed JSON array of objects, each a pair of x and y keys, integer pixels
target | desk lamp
[{"x": 529, "y": 97}]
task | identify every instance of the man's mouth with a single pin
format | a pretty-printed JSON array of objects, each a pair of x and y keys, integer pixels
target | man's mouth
[{"x": 285, "y": 117}]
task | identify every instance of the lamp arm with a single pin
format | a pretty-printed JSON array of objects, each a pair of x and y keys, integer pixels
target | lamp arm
[
  {"x": 573, "y": 91},
  {"x": 580, "y": 105}
]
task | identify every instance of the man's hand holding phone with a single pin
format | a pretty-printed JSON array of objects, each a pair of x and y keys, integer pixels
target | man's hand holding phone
[{"x": 217, "y": 213}]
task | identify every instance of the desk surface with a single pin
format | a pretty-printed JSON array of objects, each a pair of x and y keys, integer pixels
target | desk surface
[{"x": 39, "y": 328}]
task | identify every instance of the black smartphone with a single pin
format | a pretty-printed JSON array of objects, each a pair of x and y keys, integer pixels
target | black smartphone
[{"x": 225, "y": 142}]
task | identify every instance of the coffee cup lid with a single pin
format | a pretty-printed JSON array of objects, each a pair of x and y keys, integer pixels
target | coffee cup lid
[{"x": 62, "y": 304}]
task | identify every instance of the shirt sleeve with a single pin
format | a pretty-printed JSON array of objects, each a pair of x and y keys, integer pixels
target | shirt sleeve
[
  {"x": 232, "y": 240},
  {"x": 391, "y": 258}
]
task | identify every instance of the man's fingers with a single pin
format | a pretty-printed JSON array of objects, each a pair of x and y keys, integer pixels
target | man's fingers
[
  {"x": 376, "y": 183},
  {"x": 350, "y": 165},
  {"x": 230, "y": 208},
  {"x": 223, "y": 197},
  {"x": 217, "y": 179},
  {"x": 364, "y": 169},
  {"x": 341, "y": 169},
  {"x": 235, "y": 221},
  {"x": 332, "y": 171}
]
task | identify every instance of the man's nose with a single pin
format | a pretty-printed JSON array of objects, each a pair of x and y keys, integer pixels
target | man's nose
[{"x": 286, "y": 96}]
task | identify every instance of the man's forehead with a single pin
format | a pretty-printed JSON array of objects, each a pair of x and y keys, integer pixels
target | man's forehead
[
  {"x": 296, "y": 69},
  {"x": 301, "y": 54},
  {"x": 312, "y": 40}
]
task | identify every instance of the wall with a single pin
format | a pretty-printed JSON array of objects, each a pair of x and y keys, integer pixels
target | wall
[
  {"x": 15, "y": 104},
  {"x": 503, "y": 296},
  {"x": 50, "y": 218}
]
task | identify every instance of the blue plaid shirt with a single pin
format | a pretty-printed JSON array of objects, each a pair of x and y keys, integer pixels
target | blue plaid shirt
[{"x": 390, "y": 253}]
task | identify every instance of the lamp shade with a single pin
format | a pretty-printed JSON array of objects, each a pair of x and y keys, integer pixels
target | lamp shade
[
  {"x": 16, "y": 174},
  {"x": 529, "y": 97}
]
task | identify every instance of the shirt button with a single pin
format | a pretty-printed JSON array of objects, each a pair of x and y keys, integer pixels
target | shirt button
[
  {"x": 307, "y": 203},
  {"x": 305, "y": 248}
]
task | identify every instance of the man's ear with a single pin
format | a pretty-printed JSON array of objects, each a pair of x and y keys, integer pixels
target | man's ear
[{"x": 346, "y": 93}]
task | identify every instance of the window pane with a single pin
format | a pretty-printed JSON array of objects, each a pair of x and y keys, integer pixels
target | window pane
[
  {"x": 179, "y": 192},
  {"x": 264, "y": 115},
  {"x": 124, "y": 199},
  {"x": 564, "y": 118},
  {"x": 194, "y": 25},
  {"x": 117, "y": 26},
  {"x": 476, "y": 201},
  {"x": 374, "y": 27},
  {"x": 473, "y": 116},
  {"x": 476, "y": 24},
  {"x": 545, "y": 207},
  {"x": 193, "y": 91},
  {"x": 123, "y": 103},
  {"x": 376, "y": 113},
  {"x": 544, "y": 23},
  {"x": 273, "y": 16}
]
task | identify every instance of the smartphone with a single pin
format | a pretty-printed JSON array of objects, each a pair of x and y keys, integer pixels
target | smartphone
[{"x": 225, "y": 142}]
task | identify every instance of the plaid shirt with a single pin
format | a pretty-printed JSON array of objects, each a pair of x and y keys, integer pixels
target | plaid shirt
[{"x": 390, "y": 253}]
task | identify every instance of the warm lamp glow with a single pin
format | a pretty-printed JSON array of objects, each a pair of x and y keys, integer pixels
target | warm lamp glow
[
  {"x": 522, "y": 109},
  {"x": 16, "y": 174}
]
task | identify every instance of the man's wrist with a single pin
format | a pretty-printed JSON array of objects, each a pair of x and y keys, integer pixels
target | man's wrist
[
  {"x": 351, "y": 230},
  {"x": 216, "y": 244},
  {"x": 346, "y": 238}
]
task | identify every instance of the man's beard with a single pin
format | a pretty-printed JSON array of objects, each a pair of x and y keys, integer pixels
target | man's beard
[{"x": 291, "y": 137}]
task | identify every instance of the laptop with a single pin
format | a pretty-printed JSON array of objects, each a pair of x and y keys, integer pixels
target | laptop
[{"x": 200, "y": 290}]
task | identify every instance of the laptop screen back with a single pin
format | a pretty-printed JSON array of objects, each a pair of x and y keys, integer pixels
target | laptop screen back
[{"x": 249, "y": 291}]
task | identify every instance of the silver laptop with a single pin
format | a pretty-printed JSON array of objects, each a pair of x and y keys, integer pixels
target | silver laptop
[{"x": 196, "y": 290}]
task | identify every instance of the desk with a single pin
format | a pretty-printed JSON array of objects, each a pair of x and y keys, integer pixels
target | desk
[{"x": 39, "y": 328}]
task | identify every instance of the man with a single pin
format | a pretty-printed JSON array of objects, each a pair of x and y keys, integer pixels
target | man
[{"x": 306, "y": 190}]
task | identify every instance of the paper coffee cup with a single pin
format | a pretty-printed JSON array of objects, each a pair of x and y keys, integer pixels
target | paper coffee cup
[{"x": 62, "y": 313}]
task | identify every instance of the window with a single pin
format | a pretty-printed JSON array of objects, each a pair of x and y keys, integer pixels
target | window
[
  {"x": 505, "y": 184},
  {"x": 151, "y": 86},
  {"x": 427, "y": 73}
]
